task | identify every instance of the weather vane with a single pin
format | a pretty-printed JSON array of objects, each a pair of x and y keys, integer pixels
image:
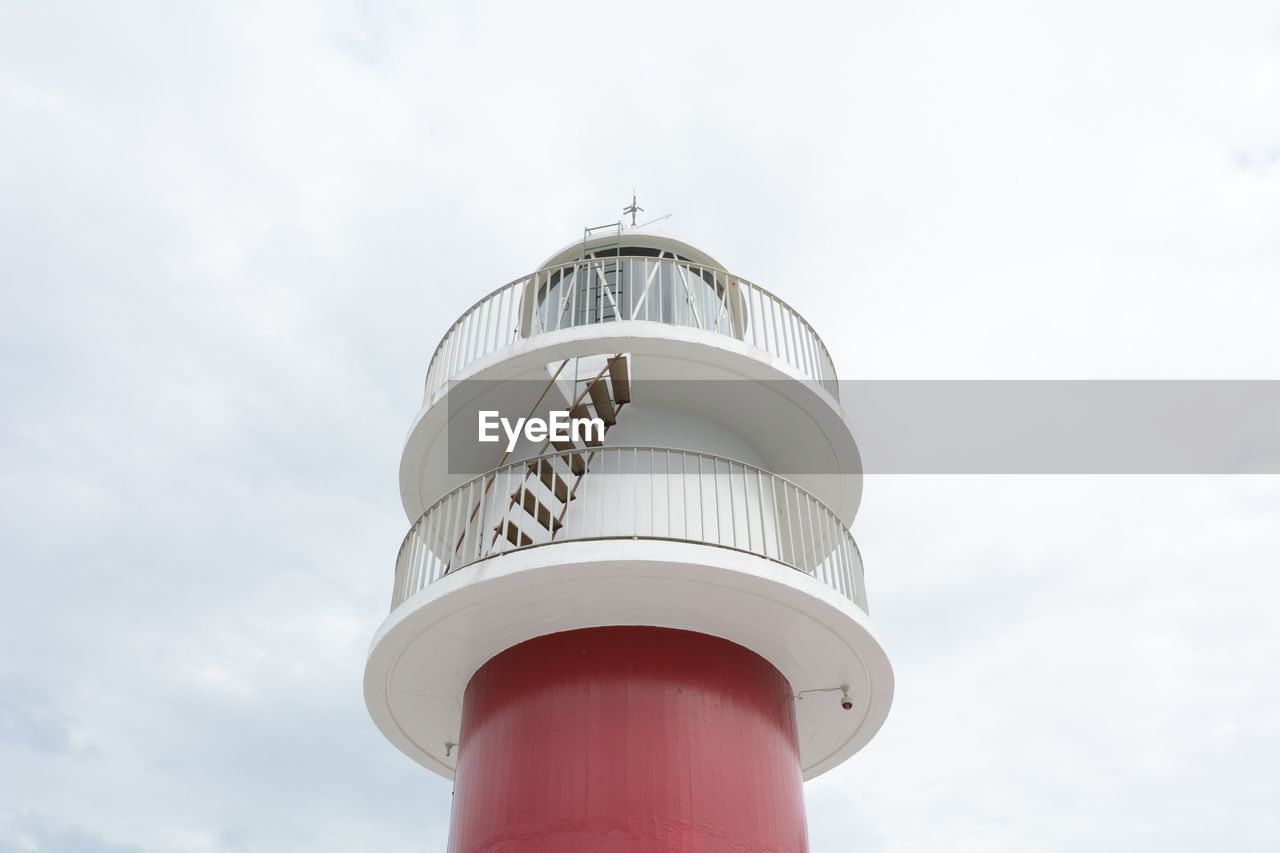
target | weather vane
[{"x": 633, "y": 209}]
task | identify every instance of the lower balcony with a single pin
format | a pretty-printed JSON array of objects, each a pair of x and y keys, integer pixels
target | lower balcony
[{"x": 629, "y": 493}]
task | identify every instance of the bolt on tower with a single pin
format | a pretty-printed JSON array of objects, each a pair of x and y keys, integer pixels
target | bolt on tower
[{"x": 642, "y": 638}]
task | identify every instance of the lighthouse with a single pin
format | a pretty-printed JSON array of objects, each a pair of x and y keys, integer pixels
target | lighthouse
[{"x": 646, "y": 634}]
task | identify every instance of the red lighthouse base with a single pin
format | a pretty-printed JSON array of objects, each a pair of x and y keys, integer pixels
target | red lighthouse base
[{"x": 628, "y": 740}]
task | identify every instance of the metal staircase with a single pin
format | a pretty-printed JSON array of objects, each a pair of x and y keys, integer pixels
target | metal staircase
[
  {"x": 550, "y": 483},
  {"x": 603, "y": 396}
]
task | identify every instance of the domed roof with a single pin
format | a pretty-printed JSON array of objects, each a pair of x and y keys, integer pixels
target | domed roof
[{"x": 632, "y": 238}]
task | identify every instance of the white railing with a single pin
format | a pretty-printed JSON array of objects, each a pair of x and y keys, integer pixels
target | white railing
[
  {"x": 629, "y": 493},
  {"x": 659, "y": 290}
]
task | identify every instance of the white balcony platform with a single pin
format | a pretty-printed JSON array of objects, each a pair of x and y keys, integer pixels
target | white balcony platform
[{"x": 432, "y": 643}]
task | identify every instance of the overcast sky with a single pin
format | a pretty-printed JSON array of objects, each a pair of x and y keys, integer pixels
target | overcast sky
[{"x": 232, "y": 234}]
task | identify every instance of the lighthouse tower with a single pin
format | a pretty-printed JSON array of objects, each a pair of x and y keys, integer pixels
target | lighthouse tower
[{"x": 646, "y": 634}]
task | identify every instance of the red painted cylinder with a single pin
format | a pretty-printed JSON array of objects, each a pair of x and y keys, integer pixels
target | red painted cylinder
[{"x": 628, "y": 740}]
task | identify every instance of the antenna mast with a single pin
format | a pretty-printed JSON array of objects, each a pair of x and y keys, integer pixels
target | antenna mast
[{"x": 632, "y": 209}]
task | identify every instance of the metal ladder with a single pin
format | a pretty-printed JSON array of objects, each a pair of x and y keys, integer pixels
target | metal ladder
[
  {"x": 600, "y": 292},
  {"x": 604, "y": 396},
  {"x": 561, "y": 475}
]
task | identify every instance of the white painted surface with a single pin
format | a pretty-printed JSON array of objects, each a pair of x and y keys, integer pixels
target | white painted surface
[{"x": 427, "y": 650}]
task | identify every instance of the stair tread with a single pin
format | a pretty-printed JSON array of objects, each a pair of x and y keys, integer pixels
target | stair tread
[
  {"x": 514, "y": 534},
  {"x": 603, "y": 403},
  {"x": 574, "y": 460},
  {"x": 618, "y": 375},
  {"x": 545, "y": 472},
  {"x": 589, "y": 439},
  {"x": 539, "y": 511}
]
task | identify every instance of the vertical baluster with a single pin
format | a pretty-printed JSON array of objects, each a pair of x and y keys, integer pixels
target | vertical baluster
[
  {"x": 666, "y": 287},
  {"x": 837, "y": 553},
  {"x": 457, "y": 556},
  {"x": 425, "y": 554},
  {"x": 542, "y": 309},
  {"x": 638, "y": 508},
  {"x": 819, "y": 552},
  {"x": 420, "y": 555},
  {"x": 764, "y": 525},
  {"x": 814, "y": 533},
  {"x": 846, "y": 553},
  {"x": 666, "y": 482},
  {"x": 780, "y": 343},
  {"x": 409, "y": 581},
  {"x": 862, "y": 583},
  {"x": 464, "y": 340},
  {"x": 768, "y": 330},
  {"x": 458, "y": 339},
  {"x": 468, "y": 340},
  {"x": 801, "y": 350},
  {"x": 460, "y": 354},
  {"x": 484, "y": 494},
  {"x": 516, "y": 483},
  {"x": 439, "y": 537},
  {"x": 602, "y": 484},
  {"x": 770, "y": 308},
  {"x": 406, "y": 581},
  {"x": 551, "y": 304},
  {"x": 846, "y": 564},
  {"x": 396, "y": 584},
  {"x": 464, "y": 524},
  {"x": 432, "y": 537},
  {"x": 500, "y": 330},
  {"x": 410, "y": 552},
  {"x": 802, "y": 530},
  {"x": 744, "y": 529},
  {"x": 493, "y": 512},
  {"x": 474, "y": 333},
  {"x": 788, "y": 557},
  {"x": 789, "y": 334},
  {"x": 482, "y": 329},
  {"x": 815, "y": 357},
  {"x": 576, "y": 295},
  {"x": 446, "y": 363},
  {"x": 460, "y": 524},
  {"x": 429, "y": 547},
  {"x": 496, "y": 303},
  {"x": 463, "y": 333},
  {"x": 515, "y": 307},
  {"x": 702, "y": 507},
  {"x": 650, "y": 473},
  {"x": 430, "y": 550},
  {"x": 797, "y": 336},
  {"x": 715, "y": 479},
  {"x": 402, "y": 571},
  {"x": 827, "y": 546}
]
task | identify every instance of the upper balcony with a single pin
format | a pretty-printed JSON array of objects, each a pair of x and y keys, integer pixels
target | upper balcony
[{"x": 665, "y": 288}]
